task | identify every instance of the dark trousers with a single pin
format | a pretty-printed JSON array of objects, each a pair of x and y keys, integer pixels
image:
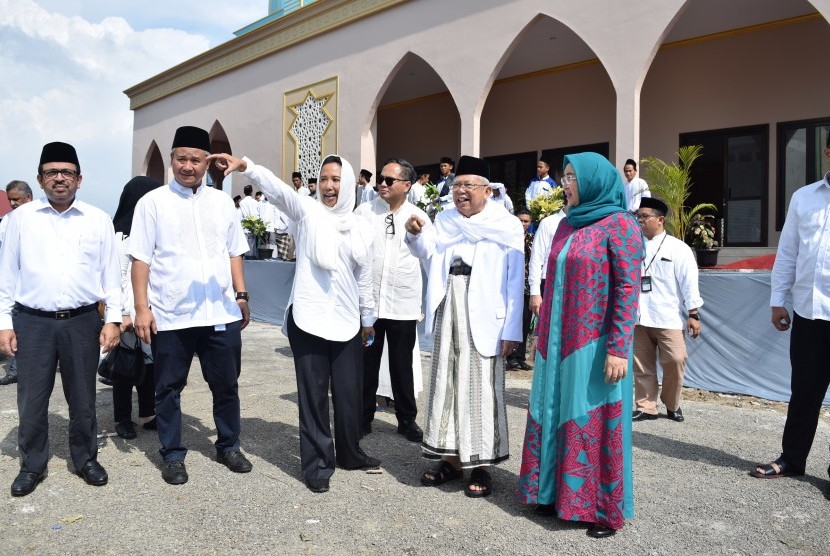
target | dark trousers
[
  {"x": 42, "y": 343},
  {"x": 809, "y": 353},
  {"x": 318, "y": 362},
  {"x": 220, "y": 355},
  {"x": 122, "y": 397},
  {"x": 400, "y": 335}
]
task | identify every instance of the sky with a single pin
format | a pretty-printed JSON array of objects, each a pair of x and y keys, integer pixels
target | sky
[{"x": 64, "y": 67}]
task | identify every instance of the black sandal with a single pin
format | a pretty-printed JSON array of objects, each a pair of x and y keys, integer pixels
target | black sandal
[
  {"x": 769, "y": 471},
  {"x": 480, "y": 478},
  {"x": 441, "y": 473}
]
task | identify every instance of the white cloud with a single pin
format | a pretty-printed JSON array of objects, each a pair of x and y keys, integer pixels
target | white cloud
[{"x": 63, "y": 77}]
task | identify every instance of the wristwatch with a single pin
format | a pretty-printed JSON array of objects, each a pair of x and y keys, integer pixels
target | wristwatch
[
  {"x": 243, "y": 295},
  {"x": 695, "y": 316}
]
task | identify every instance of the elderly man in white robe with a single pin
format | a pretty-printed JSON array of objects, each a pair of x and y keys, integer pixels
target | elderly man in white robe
[{"x": 474, "y": 298}]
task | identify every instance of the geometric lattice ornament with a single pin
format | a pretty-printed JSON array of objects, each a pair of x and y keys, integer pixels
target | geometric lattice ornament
[{"x": 310, "y": 127}]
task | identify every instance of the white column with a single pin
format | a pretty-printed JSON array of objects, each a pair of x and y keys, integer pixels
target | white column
[{"x": 627, "y": 136}]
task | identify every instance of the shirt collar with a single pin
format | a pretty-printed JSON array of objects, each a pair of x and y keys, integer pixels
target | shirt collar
[
  {"x": 186, "y": 191},
  {"x": 827, "y": 179},
  {"x": 77, "y": 206},
  {"x": 657, "y": 237}
]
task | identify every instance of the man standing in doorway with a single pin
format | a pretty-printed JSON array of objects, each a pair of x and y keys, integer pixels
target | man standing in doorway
[
  {"x": 635, "y": 187},
  {"x": 543, "y": 183},
  {"x": 187, "y": 246},
  {"x": 396, "y": 279},
  {"x": 55, "y": 300}
]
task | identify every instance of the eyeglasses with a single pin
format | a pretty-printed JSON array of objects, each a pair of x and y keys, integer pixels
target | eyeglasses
[
  {"x": 390, "y": 223},
  {"x": 568, "y": 179},
  {"x": 644, "y": 217},
  {"x": 65, "y": 172},
  {"x": 466, "y": 185},
  {"x": 390, "y": 181}
]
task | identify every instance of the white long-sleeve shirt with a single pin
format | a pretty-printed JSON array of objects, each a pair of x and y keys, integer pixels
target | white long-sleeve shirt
[
  {"x": 635, "y": 190},
  {"x": 537, "y": 268},
  {"x": 396, "y": 272},
  {"x": 674, "y": 283},
  {"x": 331, "y": 304},
  {"x": 248, "y": 206},
  {"x": 188, "y": 240},
  {"x": 802, "y": 264},
  {"x": 55, "y": 261}
]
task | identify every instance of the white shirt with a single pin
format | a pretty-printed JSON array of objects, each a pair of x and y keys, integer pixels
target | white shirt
[
  {"x": 503, "y": 200},
  {"x": 396, "y": 273},
  {"x": 331, "y": 304},
  {"x": 248, "y": 206},
  {"x": 635, "y": 190},
  {"x": 802, "y": 264},
  {"x": 188, "y": 239},
  {"x": 416, "y": 193},
  {"x": 673, "y": 270},
  {"x": 3, "y": 224},
  {"x": 537, "y": 268},
  {"x": 55, "y": 261},
  {"x": 369, "y": 194},
  {"x": 273, "y": 218},
  {"x": 304, "y": 191},
  {"x": 538, "y": 187}
]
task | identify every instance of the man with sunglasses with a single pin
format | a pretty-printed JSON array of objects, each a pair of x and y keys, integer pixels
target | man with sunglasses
[
  {"x": 48, "y": 313},
  {"x": 396, "y": 279},
  {"x": 668, "y": 288}
]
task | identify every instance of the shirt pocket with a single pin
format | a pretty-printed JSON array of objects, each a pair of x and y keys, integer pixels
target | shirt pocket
[{"x": 89, "y": 250}]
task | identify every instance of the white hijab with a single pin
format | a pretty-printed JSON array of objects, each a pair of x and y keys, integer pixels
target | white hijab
[{"x": 339, "y": 225}]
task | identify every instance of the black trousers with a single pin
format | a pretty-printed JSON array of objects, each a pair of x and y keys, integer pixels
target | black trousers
[
  {"x": 319, "y": 362},
  {"x": 220, "y": 355},
  {"x": 521, "y": 352},
  {"x": 400, "y": 335},
  {"x": 122, "y": 397},
  {"x": 42, "y": 343},
  {"x": 810, "y": 360}
]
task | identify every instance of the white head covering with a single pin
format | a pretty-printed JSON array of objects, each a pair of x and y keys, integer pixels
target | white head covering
[{"x": 324, "y": 237}]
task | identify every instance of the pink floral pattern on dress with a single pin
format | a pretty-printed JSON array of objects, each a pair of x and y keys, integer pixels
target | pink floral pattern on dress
[{"x": 602, "y": 264}]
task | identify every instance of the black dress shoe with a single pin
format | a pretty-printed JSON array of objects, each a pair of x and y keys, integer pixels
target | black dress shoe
[
  {"x": 525, "y": 367},
  {"x": 151, "y": 425},
  {"x": 317, "y": 485},
  {"x": 411, "y": 431},
  {"x": 10, "y": 378},
  {"x": 174, "y": 472},
  {"x": 125, "y": 429},
  {"x": 235, "y": 461},
  {"x": 545, "y": 509},
  {"x": 26, "y": 482},
  {"x": 93, "y": 473},
  {"x": 676, "y": 415},
  {"x": 641, "y": 416},
  {"x": 368, "y": 465},
  {"x": 598, "y": 531}
]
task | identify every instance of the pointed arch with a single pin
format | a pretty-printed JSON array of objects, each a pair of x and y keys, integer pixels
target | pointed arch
[
  {"x": 219, "y": 143},
  {"x": 411, "y": 102},
  {"x": 153, "y": 166}
]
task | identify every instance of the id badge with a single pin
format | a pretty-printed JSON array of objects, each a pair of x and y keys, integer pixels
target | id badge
[{"x": 645, "y": 284}]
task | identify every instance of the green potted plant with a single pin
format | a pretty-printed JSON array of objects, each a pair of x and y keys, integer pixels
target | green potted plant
[
  {"x": 673, "y": 184},
  {"x": 547, "y": 204},
  {"x": 701, "y": 236},
  {"x": 431, "y": 203},
  {"x": 256, "y": 227}
]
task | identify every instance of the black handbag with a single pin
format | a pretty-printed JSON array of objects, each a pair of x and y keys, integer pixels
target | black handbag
[{"x": 125, "y": 363}]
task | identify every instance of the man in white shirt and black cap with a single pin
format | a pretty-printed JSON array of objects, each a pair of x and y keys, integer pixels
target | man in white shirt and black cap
[
  {"x": 55, "y": 300},
  {"x": 396, "y": 280},
  {"x": 187, "y": 245},
  {"x": 668, "y": 291},
  {"x": 802, "y": 268},
  {"x": 636, "y": 187}
]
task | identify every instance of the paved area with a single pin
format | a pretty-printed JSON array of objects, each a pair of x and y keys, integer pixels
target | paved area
[{"x": 693, "y": 494}]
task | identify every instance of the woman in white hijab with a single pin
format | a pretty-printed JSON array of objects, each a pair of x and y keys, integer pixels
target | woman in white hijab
[
  {"x": 500, "y": 197},
  {"x": 331, "y": 299}
]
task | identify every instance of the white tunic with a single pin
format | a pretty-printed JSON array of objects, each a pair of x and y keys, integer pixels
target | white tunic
[{"x": 188, "y": 240}]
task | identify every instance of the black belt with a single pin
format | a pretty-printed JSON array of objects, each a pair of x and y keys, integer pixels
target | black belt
[
  {"x": 461, "y": 269},
  {"x": 57, "y": 315}
]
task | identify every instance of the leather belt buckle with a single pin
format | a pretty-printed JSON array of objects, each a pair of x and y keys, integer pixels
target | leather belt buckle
[{"x": 62, "y": 315}]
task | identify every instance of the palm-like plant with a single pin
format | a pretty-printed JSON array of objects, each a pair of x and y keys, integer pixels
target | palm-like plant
[{"x": 673, "y": 184}]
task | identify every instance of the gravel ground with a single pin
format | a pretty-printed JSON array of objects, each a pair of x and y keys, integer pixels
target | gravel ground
[{"x": 693, "y": 494}]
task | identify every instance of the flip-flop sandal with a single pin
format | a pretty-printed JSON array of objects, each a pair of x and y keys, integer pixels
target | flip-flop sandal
[
  {"x": 775, "y": 470},
  {"x": 479, "y": 478},
  {"x": 441, "y": 473}
]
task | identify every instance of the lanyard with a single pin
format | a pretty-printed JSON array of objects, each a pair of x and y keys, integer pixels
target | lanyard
[{"x": 645, "y": 270}]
